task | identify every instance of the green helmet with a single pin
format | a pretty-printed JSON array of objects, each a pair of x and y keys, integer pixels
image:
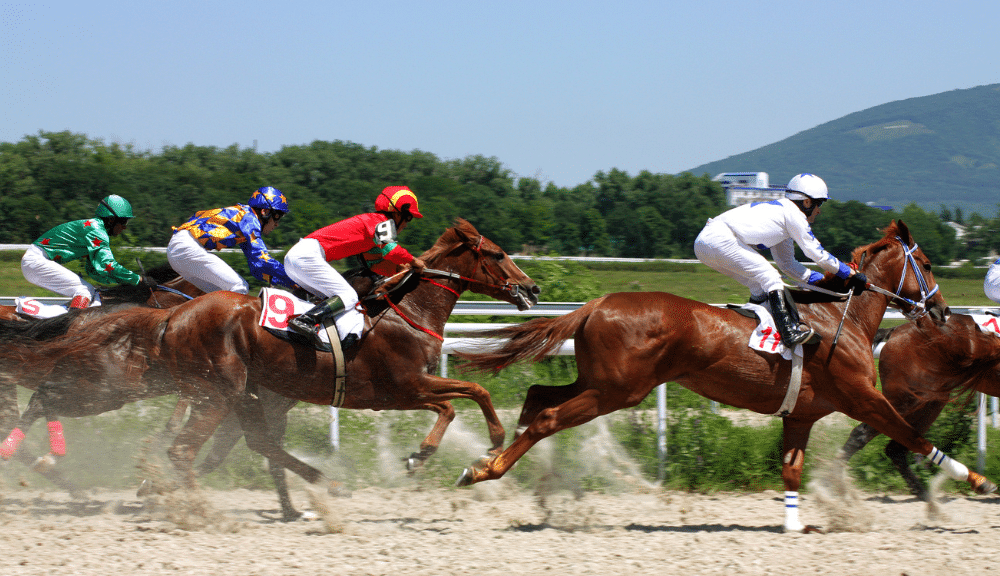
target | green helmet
[{"x": 114, "y": 206}]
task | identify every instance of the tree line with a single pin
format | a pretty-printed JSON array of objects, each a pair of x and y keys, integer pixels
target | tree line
[{"x": 53, "y": 177}]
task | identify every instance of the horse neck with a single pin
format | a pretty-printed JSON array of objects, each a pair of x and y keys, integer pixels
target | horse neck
[{"x": 431, "y": 304}]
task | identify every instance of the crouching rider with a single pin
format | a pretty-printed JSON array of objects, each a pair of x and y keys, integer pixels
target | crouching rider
[
  {"x": 243, "y": 225},
  {"x": 42, "y": 263},
  {"x": 729, "y": 242},
  {"x": 372, "y": 234}
]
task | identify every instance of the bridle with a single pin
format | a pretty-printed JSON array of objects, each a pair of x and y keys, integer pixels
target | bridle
[
  {"x": 918, "y": 309},
  {"x": 513, "y": 290}
]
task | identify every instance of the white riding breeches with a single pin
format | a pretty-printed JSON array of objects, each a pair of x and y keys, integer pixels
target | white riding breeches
[
  {"x": 992, "y": 284},
  {"x": 202, "y": 268},
  {"x": 53, "y": 276},
  {"x": 720, "y": 249},
  {"x": 306, "y": 264}
]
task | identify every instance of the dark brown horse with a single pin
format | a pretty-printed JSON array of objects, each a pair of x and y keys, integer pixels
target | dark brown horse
[
  {"x": 212, "y": 352},
  {"x": 924, "y": 365},
  {"x": 171, "y": 291},
  {"x": 628, "y": 343}
]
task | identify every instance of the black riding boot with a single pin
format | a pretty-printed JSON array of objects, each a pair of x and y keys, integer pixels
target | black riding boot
[
  {"x": 791, "y": 330},
  {"x": 309, "y": 324}
]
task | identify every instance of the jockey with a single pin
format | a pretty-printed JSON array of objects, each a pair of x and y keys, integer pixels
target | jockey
[
  {"x": 729, "y": 242},
  {"x": 87, "y": 239},
  {"x": 242, "y": 225},
  {"x": 991, "y": 286},
  {"x": 372, "y": 234}
]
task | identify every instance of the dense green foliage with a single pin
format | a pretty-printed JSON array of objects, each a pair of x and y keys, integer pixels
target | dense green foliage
[
  {"x": 58, "y": 176},
  {"x": 928, "y": 150}
]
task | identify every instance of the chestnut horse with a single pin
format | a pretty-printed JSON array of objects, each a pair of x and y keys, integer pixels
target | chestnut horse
[
  {"x": 171, "y": 291},
  {"x": 212, "y": 352},
  {"x": 628, "y": 343},
  {"x": 921, "y": 366}
]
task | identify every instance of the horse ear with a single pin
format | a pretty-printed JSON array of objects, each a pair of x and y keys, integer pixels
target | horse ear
[{"x": 903, "y": 232}]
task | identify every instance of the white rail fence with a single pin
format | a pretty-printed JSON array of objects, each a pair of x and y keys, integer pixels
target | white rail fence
[{"x": 492, "y": 308}]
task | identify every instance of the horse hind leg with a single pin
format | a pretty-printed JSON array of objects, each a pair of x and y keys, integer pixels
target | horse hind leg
[{"x": 541, "y": 397}]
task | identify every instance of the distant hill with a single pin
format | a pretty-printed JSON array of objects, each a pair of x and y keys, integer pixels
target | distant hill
[{"x": 932, "y": 150}]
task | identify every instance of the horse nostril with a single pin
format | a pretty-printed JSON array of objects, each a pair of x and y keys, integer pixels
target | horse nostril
[{"x": 536, "y": 290}]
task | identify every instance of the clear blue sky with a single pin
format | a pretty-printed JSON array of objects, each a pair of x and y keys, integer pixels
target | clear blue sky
[{"x": 554, "y": 90}]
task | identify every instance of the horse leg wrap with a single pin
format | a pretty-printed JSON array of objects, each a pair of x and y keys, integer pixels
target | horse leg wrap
[
  {"x": 9, "y": 446},
  {"x": 792, "y": 523},
  {"x": 57, "y": 442},
  {"x": 956, "y": 470}
]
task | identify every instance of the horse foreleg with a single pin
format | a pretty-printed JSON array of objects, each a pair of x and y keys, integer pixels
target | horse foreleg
[
  {"x": 795, "y": 437},
  {"x": 259, "y": 440},
  {"x": 859, "y": 438},
  {"x": 576, "y": 411},
  {"x": 900, "y": 458},
  {"x": 204, "y": 419},
  {"x": 446, "y": 414},
  {"x": 224, "y": 439},
  {"x": 444, "y": 389},
  {"x": 869, "y": 406}
]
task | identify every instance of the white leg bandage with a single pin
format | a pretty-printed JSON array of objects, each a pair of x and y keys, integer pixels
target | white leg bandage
[
  {"x": 792, "y": 523},
  {"x": 956, "y": 470}
]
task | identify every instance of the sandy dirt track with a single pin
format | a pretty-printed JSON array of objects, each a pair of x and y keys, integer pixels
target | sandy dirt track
[{"x": 492, "y": 528}]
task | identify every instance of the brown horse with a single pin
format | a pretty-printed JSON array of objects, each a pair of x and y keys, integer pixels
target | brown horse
[
  {"x": 922, "y": 366},
  {"x": 171, "y": 291},
  {"x": 212, "y": 352},
  {"x": 628, "y": 343}
]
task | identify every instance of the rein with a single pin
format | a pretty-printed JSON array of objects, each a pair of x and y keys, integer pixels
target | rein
[
  {"x": 173, "y": 291},
  {"x": 511, "y": 289}
]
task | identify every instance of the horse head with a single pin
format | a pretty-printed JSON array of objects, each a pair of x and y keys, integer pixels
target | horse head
[
  {"x": 483, "y": 265},
  {"x": 899, "y": 269}
]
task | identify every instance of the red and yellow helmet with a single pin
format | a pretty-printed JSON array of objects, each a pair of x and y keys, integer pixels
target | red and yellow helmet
[{"x": 395, "y": 198}]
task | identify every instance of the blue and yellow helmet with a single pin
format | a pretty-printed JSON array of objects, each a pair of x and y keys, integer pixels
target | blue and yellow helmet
[{"x": 268, "y": 197}]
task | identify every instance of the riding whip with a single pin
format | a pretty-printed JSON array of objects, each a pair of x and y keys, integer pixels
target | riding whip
[
  {"x": 152, "y": 291},
  {"x": 846, "y": 306}
]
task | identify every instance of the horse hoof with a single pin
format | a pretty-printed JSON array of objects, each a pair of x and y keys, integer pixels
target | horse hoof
[
  {"x": 48, "y": 462},
  {"x": 980, "y": 484},
  {"x": 145, "y": 489},
  {"x": 466, "y": 478}
]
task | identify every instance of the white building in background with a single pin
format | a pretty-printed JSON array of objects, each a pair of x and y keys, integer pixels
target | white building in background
[{"x": 746, "y": 187}]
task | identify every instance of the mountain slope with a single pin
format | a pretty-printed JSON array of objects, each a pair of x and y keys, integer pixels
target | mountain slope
[{"x": 932, "y": 150}]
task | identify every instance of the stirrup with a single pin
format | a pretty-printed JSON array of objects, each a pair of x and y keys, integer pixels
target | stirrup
[
  {"x": 296, "y": 325},
  {"x": 805, "y": 337}
]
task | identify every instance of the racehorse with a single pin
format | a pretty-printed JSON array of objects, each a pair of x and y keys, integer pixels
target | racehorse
[
  {"x": 170, "y": 291},
  {"x": 628, "y": 343},
  {"x": 921, "y": 366},
  {"x": 213, "y": 353}
]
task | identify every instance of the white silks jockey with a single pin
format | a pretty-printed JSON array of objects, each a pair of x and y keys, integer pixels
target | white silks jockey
[{"x": 729, "y": 243}]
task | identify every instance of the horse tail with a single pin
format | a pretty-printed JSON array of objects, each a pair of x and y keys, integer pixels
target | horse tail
[
  {"x": 37, "y": 329},
  {"x": 533, "y": 340}
]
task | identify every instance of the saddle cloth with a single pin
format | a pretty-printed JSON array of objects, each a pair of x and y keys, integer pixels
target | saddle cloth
[
  {"x": 765, "y": 337},
  {"x": 30, "y": 307},
  {"x": 279, "y": 305},
  {"x": 987, "y": 323}
]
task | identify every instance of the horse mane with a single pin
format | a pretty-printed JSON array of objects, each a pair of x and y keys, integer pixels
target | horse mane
[
  {"x": 890, "y": 232},
  {"x": 133, "y": 293},
  {"x": 967, "y": 353},
  {"x": 450, "y": 238}
]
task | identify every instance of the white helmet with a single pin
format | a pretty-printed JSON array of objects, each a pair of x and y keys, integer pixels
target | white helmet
[{"x": 806, "y": 185}]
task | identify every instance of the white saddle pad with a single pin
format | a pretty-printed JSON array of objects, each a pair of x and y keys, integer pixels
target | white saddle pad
[
  {"x": 279, "y": 305},
  {"x": 36, "y": 309},
  {"x": 765, "y": 337}
]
